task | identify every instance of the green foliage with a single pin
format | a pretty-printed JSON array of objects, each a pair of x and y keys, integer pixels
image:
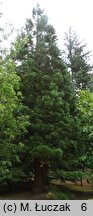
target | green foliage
[
  {"x": 13, "y": 120},
  {"x": 41, "y": 116},
  {"x": 69, "y": 175},
  {"x": 46, "y": 88},
  {"x": 85, "y": 117},
  {"x": 47, "y": 93},
  {"x": 77, "y": 60}
]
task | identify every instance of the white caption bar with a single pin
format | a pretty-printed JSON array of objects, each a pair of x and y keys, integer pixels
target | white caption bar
[{"x": 46, "y": 207}]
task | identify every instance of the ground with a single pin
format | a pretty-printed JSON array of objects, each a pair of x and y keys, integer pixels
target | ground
[{"x": 57, "y": 190}]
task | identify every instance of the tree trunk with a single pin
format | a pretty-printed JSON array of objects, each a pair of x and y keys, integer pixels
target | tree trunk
[
  {"x": 81, "y": 182},
  {"x": 83, "y": 170},
  {"x": 40, "y": 178}
]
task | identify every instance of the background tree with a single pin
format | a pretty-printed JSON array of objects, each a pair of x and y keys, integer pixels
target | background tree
[
  {"x": 85, "y": 116},
  {"x": 13, "y": 120},
  {"x": 77, "y": 60}
]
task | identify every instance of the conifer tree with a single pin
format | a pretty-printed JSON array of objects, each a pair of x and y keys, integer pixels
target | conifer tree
[
  {"x": 48, "y": 93},
  {"x": 77, "y": 60}
]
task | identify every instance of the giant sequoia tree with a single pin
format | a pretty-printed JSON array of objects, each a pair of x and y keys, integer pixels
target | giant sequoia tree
[{"x": 48, "y": 93}]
